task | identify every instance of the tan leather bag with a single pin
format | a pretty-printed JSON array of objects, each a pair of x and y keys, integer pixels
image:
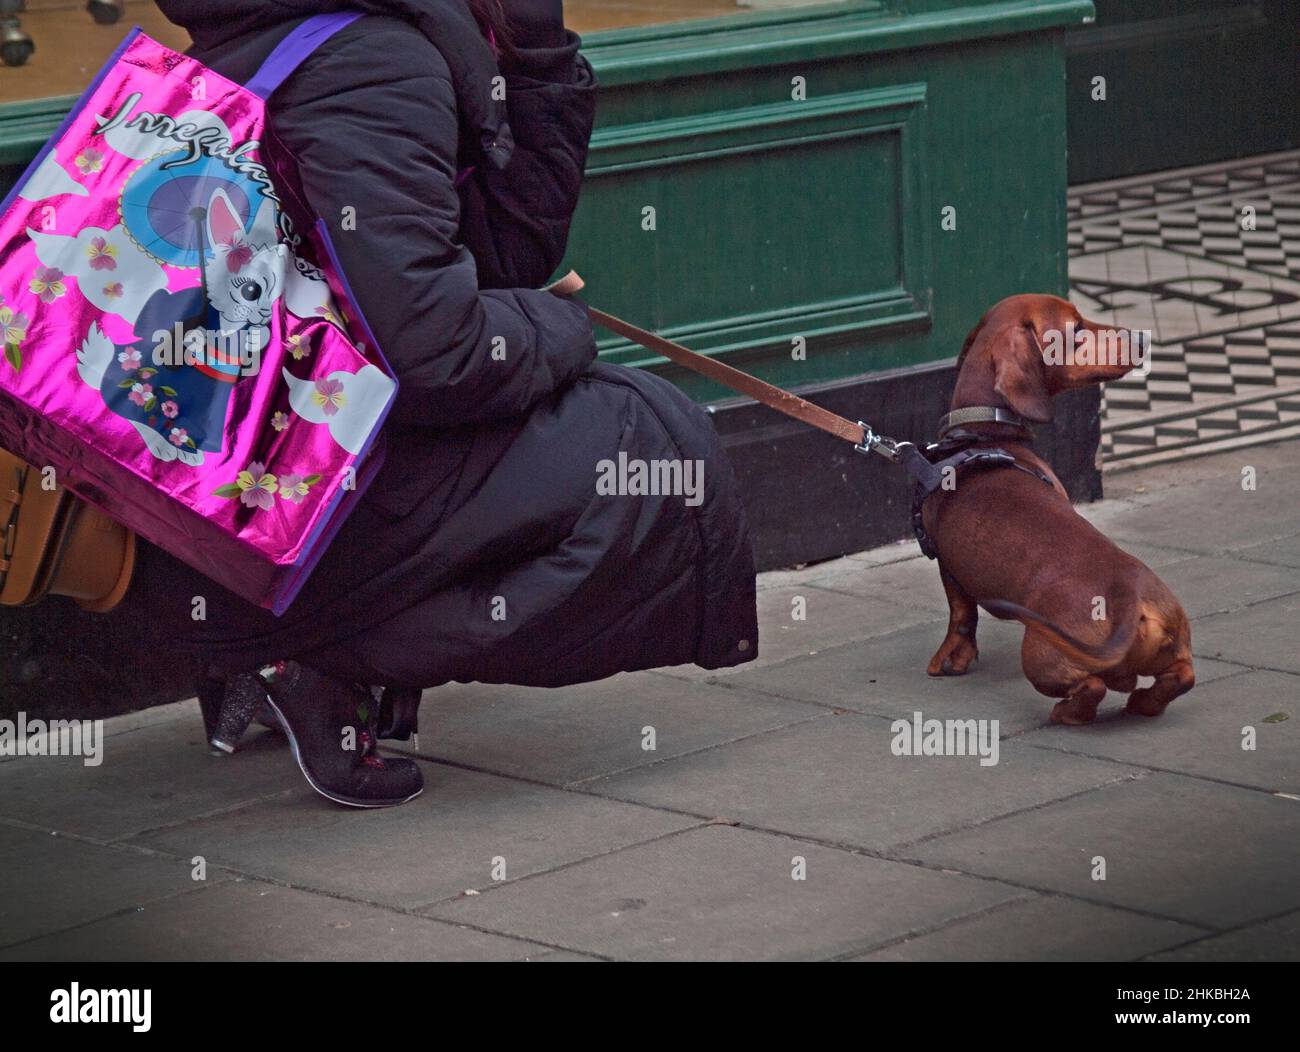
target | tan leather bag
[{"x": 51, "y": 543}]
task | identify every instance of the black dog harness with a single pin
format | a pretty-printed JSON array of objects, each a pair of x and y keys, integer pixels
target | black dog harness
[{"x": 955, "y": 452}]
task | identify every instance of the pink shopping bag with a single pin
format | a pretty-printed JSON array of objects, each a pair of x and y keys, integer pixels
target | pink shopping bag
[{"x": 171, "y": 347}]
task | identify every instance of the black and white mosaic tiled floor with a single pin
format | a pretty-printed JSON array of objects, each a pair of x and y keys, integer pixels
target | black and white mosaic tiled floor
[{"x": 1208, "y": 259}]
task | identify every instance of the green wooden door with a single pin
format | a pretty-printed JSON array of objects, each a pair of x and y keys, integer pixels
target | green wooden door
[{"x": 1187, "y": 82}]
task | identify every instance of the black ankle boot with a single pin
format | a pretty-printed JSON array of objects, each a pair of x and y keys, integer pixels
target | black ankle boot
[{"x": 331, "y": 728}]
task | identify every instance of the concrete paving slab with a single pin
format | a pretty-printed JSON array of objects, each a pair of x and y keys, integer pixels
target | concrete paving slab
[
  {"x": 178, "y": 712},
  {"x": 1276, "y": 460},
  {"x": 1106, "y": 513},
  {"x": 1262, "y": 636},
  {"x": 886, "y": 676},
  {"x": 912, "y": 582},
  {"x": 1277, "y": 939},
  {"x": 1282, "y": 552},
  {"x": 152, "y": 776},
  {"x": 725, "y": 893},
  {"x": 836, "y": 780},
  {"x": 432, "y": 848},
  {"x": 563, "y": 957},
  {"x": 570, "y": 734},
  {"x": 1214, "y": 514},
  {"x": 50, "y": 882},
  {"x": 796, "y": 621},
  {"x": 904, "y": 548},
  {"x": 1201, "y": 852},
  {"x": 1202, "y": 733},
  {"x": 1042, "y": 928},
  {"x": 808, "y": 573},
  {"x": 1153, "y": 555},
  {"x": 244, "y": 920},
  {"x": 1212, "y": 584}
]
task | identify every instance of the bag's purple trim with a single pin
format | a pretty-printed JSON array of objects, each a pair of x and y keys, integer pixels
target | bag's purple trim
[
  {"x": 322, "y": 534},
  {"x": 371, "y": 455},
  {"x": 323, "y": 232},
  {"x": 294, "y": 49}
]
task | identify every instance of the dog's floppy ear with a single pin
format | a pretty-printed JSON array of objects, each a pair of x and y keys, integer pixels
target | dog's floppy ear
[{"x": 1018, "y": 373}]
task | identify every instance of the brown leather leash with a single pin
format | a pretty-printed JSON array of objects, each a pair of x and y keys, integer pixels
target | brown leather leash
[
  {"x": 963, "y": 449},
  {"x": 859, "y": 434}
]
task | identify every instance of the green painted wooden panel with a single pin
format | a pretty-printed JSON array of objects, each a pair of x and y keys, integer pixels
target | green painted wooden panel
[
  {"x": 819, "y": 219},
  {"x": 24, "y": 128},
  {"x": 846, "y": 170}
]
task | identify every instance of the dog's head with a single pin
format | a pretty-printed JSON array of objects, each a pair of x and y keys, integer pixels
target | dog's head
[{"x": 1028, "y": 348}]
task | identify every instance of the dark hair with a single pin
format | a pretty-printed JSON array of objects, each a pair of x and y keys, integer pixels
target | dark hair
[{"x": 490, "y": 14}]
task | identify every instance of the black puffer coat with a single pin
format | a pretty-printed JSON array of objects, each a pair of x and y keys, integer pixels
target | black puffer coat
[{"x": 483, "y": 550}]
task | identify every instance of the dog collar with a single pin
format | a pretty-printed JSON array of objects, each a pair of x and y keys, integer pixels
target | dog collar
[{"x": 980, "y": 414}]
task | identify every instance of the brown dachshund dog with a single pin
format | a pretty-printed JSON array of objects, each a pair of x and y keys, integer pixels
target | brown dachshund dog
[{"x": 1096, "y": 618}]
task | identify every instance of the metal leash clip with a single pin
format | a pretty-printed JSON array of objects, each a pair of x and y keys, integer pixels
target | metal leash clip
[
  {"x": 905, "y": 454},
  {"x": 874, "y": 443}
]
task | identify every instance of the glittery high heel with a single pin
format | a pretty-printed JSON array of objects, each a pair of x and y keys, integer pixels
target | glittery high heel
[{"x": 229, "y": 703}]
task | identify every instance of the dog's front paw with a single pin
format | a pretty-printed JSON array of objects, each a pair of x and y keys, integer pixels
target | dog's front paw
[{"x": 954, "y": 657}]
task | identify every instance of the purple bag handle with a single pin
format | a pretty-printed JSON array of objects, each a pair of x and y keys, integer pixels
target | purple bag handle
[{"x": 293, "y": 50}]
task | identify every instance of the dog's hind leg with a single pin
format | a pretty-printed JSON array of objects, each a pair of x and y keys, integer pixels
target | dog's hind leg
[
  {"x": 1080, "y": 705},
  {"x": 958, "y": 649},
  {"x": 1055, "y": 675},
  {"x": 1177, "y": 679}
]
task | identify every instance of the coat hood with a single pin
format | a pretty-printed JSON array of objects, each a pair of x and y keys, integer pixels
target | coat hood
[{"x": 448, "y": 25}]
